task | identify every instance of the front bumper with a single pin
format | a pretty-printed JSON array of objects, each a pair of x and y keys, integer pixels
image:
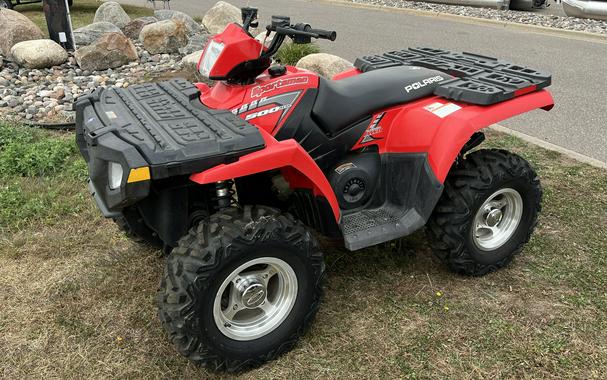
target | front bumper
[
  {"x": 105, "y": 211},
  {"x": 99, "y": 152}
]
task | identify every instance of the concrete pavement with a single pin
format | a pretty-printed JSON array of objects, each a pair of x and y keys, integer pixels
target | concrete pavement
[{"x": 579, "y": 120}]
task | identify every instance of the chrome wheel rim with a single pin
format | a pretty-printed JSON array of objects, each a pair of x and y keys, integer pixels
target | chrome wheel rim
[
  {"x": 497, "y": 219},
  {"x": 255, "y": 298}
]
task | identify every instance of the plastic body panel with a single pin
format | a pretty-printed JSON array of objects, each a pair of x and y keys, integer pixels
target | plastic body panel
[
  {"x": 268, "y": 102},
  {"x": 423, "y": 128},
  {"x": 299, "y": 167},
  {"x": 162, "y": 126},
  {"x": 238, "y": 47}
]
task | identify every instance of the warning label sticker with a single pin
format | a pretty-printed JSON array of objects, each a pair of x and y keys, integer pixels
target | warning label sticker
[{"x": 442, "y": 110}]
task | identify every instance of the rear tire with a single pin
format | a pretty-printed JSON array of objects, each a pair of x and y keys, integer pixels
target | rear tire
[
  {"x": 202, "y": 281},
  {"x": 487, "y": 212}
]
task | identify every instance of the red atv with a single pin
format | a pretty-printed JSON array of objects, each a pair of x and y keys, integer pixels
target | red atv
[{"x": 232, "y": 181}]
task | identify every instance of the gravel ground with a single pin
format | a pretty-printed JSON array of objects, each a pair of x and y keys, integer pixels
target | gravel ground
[
  {"x": 48, "y": 95},
  {"x": 540, "y": 17}
]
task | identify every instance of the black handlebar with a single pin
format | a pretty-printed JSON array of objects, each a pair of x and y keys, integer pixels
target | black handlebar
[
  {"x": 312, "y": 33},
  {"x": 330, "y": 35},
  {"x": 300, "y": 33}
]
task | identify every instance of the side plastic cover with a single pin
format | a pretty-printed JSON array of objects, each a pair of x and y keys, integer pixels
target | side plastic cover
[{"x": 287, "y": 154}]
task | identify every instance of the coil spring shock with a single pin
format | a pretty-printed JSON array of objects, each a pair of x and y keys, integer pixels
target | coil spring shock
[{"x": 225, "y": 195}]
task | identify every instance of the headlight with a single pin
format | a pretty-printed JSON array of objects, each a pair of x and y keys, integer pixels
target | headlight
[
  {"x": 212, "y": 52},
  {"x": 114, "y": 175}
]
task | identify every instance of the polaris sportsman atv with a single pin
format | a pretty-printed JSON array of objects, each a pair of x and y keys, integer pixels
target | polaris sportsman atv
[{"x": 232, "y": 180}]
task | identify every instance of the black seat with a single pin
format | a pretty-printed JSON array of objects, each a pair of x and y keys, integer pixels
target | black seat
[{"x": 341, "y": 103}]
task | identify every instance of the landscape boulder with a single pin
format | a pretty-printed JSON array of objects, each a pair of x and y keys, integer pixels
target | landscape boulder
[
  {"x": 112, "y": 12},
  {"x": 196, "y": 42},
  {"x": 14, "y": 28},
  {"x": 133, "y": 28},
  {"x": 218, "y": 17},
  {"x": 38, "y": 54},
  {"x": 166, "y": 36},
  {"x": 91, "y": 33},
  {"x": 110, "y": 51},
  {"x": 324, "y": 64},
  {"x": 190, "y": 23},
  {"x": 189, "y": 63}
]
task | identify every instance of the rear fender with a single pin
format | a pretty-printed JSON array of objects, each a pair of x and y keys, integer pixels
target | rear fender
[
  {"x": 300, "y": 169},
  {"x": 415, "y": 128}
]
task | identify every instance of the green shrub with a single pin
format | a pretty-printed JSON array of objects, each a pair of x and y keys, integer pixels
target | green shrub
[
  {"x": 29, "y": 152},
  {"x": 290, "y": 54}
]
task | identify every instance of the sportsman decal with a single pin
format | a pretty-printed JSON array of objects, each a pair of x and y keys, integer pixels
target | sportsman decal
[{"x": 258, "y": 91}]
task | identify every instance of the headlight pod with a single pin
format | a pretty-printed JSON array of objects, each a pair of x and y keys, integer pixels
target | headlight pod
[
  {"x": 211, "y": 54},
  {"x": 114, "y": 175}
]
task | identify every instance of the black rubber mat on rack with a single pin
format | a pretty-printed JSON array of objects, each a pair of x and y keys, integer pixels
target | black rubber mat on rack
[
  {"x": 168, "y": 125},
  {"x": 477, "y": 79}
]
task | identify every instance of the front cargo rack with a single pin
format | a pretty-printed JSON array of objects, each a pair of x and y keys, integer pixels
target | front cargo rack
[
  {"x": 168, "y": 126},
  {"x": 477, "y": 79}
]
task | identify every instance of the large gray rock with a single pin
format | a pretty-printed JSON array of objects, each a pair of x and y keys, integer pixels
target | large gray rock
[
  {"x": 133, "y": 28},
  {"x": 38, "y": 54},
  {"x": 110, "y": 51},
  {"x": 196, "y": 42},
  {"x": 324, "y": 64},
  {"x": 190, "y": 62},
  {"x": 112, "y": 12},
  {"x": 14, "y": 28},
  {"x": 217, "y": 18},
  {"x": 166, "y": 36},
  {"x": 91, "y": 33},
  {"x": 166, "y": 14}
]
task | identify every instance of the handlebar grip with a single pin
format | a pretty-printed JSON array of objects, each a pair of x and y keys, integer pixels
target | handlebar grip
[{"x": 330, "y": 35}]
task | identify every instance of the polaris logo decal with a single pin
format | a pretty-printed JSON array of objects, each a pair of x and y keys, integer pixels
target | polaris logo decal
[
  {"x": 281, "y": 83},
  {"x": 423, "y": 83},
  {"x": 373, "y": 129}
]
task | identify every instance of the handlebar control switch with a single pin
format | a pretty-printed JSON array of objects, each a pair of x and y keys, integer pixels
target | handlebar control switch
[
  {"x": 249, "y": 17},
  {"x": 280, "y": 21}
]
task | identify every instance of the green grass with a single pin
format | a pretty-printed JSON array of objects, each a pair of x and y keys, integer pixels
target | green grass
[
  {"x": 82, "y": 13},
  {"x": 77, "y": 297},
  {"x": 40, "y": 176},
  {"x": 290, "y": 53}
]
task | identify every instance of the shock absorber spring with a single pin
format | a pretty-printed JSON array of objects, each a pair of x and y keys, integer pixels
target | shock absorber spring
[{"x": 224, "y": 194}]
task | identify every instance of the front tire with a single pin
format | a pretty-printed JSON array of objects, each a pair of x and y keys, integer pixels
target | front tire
[
  {"x": 241, "y": 288},
  {"x": 487, "y": 213}
]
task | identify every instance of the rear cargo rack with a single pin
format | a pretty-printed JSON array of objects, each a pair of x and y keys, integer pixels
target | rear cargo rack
[{"x": 477, "y": 79}]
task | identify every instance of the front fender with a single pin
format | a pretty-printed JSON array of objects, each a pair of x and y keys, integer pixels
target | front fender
[
  {"x": 418, "y": 130},
  {"x": 276, "y": 155}
]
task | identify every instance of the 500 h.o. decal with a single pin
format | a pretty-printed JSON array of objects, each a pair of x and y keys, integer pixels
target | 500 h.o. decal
[{"x": 282, "y": 102}]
